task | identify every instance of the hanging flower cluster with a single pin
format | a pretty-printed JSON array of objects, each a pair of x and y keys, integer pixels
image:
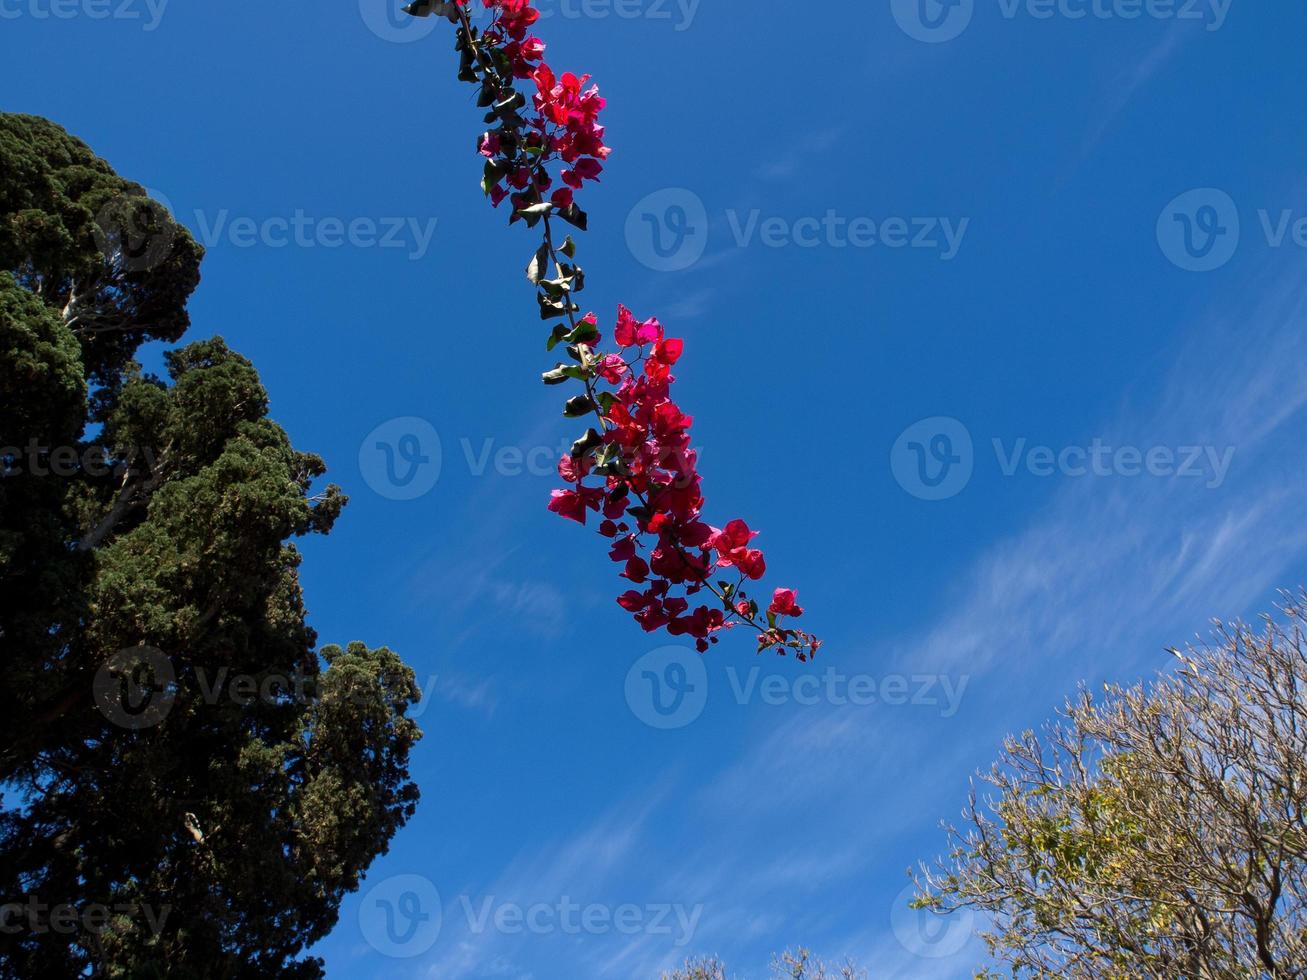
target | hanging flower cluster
[{"x": 634, "y": 468}]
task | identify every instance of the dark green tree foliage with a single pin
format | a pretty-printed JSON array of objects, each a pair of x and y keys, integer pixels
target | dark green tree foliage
[{"x": 222, "y": 819}]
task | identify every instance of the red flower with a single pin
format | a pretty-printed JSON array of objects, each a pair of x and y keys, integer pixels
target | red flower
[
  {"x": 611, "y": 368},
  {"x": 569, "y": 504},
  {"x": 572, "y": 504},
  {"x": 783, "y": 604},
  {"x": 668, "y": 351},
  {"x": 515, "y": 16},
  {"x": 650, "y": 492}
]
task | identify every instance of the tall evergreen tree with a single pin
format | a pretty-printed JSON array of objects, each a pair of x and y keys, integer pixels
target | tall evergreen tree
[{"x": 178, "y": 752}]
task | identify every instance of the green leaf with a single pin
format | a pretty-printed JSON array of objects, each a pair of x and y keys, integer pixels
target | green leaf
[
  {"x": 440, "y": 8},
  {"x": 574, "y": 216},
  {"x": 563, "y": 372},
  {"x": 558, "y": 335},
  {"x": 491, "y": 174},
  {"x": 554, "y": 308},
  {"x": 609, "y": 462},
  {"x": 585, "y": 333},
  {"x": 569, "y": 247},
  {"x": 510, "y": 103},
  {"x": 578, "y": 406},
  {"x": 591, "y": 440}
]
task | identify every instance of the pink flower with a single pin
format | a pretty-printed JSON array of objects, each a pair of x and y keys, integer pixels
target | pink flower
[
  {"x": 574, "y": 469},
  {"x": 569, "y": 504},
  {"x": 752, "y": 564},
  {"x": 650, "y": 332},
  {"x": 515, "y": 16},
  {"x": 572, "y": 504},
  {"x": 632, "y": 601},
  {"x": 732, "y": 538},
  {"x": 668, "y": 351},
  {"x": 649, "y": 489},
  {"x": 783, "y": 603},
  {"x": 611, "y": 368},
  {"x": 625, "y": 333}
]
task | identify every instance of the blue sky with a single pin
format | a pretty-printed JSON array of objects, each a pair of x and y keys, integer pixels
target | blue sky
[{"x": 1051, "y": 319}]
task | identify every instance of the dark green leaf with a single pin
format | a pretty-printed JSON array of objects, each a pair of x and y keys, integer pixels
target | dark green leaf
[{"x": 591, "y": 440}]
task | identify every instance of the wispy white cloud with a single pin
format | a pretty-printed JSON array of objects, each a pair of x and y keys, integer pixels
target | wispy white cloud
[
  {"x": 828, "y": 805},
  {"x": 1130, "y": 79},
  {"x": 474, "y": 695},
  {"x": 580, "y": 869},
  {"x": 1092, "y": 586}
]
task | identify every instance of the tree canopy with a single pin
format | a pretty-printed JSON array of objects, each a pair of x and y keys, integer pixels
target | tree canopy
[
  {"x": 181, "y": 751},
  {"x": 1157, "y": 832}
]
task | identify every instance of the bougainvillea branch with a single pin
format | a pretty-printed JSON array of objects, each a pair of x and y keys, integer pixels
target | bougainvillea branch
[{"x": 634, "y": 467}]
